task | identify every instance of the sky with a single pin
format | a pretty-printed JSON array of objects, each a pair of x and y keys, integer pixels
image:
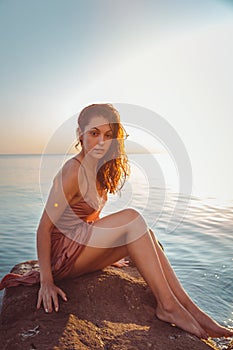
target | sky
[{"x": 172, "y": 57}]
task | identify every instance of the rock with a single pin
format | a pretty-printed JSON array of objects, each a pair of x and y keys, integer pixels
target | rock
[{"x": 112, "y": 309}]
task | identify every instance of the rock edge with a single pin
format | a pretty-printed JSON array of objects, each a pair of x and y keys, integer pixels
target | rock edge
[{"x": 109, "y": 309}]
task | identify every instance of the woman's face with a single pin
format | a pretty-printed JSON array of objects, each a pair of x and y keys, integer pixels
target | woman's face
[{"x": 97, "y": 137}]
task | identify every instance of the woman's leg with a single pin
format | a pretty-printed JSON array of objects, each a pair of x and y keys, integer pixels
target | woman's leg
[
  {"x": 210, "y": 326},
  {"x": 122, "y": 227}
]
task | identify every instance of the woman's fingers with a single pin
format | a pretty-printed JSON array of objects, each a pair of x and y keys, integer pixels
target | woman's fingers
[
  {"x": 48, "y": 294},
  {"x": 55, "y": 302},
  {"x": 55, "y": 298},
  {"x": 48, "y": 303},
  {"x": 52, "y": 300},
  {"x": 39, "y": 300},
  {"x": 62, "y": 294}
]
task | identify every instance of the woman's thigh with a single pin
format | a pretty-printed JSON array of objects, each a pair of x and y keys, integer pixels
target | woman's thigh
[
  {"x": 117, "y": 229},
  {"x": 108, "y": 240},
  {"x": 93, "y": 259}
]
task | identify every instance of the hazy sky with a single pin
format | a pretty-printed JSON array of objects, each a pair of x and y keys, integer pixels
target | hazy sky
[{"x": 174, "y": 57}]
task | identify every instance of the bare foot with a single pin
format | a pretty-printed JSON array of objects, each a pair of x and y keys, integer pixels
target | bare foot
[
  {"x": 182, "y": 319},
  {"x": 121, "y": 263},
  {"x": 214, "y": 329}
]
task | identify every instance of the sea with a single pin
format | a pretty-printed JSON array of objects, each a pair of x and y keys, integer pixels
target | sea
[{"x": 196, "y": 231}]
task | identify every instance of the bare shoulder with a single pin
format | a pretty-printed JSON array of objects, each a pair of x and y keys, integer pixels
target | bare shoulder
[
  {"x": 68, "y": 175},
  {"x": 71, "y": 165}
]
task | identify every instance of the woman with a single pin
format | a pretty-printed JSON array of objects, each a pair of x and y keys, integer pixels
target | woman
[{"x": 72, "y": 240}]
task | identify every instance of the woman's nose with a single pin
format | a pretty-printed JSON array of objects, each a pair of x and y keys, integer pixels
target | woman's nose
[{"x": 101, "y": 139}]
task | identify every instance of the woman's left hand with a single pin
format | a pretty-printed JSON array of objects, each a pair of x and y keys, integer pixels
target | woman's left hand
[{"x": 121, "y": 263}]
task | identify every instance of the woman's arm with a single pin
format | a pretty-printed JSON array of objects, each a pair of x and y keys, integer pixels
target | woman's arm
[
  {"x": 48, "y": 293},
  {"x": 65, "y": 187},
  {"x": 44, "y": 248}
]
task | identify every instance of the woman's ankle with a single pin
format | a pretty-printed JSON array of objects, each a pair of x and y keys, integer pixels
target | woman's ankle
[{"x": 167, "y": 305}]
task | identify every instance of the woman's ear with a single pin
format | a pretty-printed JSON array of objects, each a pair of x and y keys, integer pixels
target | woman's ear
[{"x": 79, "y": 135}]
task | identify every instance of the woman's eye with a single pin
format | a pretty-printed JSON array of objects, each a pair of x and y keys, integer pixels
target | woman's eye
[
  {"x": 109, "y": 136},
  {"x": 94, "y": 133}
]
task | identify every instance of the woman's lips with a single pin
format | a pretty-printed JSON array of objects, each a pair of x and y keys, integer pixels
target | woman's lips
[{"x": 99, "y": 150}]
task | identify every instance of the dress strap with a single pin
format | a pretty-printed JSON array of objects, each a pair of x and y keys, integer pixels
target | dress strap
[{"x": 77, "y": 160}]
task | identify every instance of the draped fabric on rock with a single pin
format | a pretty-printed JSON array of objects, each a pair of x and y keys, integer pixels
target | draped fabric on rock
[{"x": 68, "y": 238}]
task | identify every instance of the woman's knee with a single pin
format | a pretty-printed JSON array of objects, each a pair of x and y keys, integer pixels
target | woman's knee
[
  {"x": 131, "y": 213},
  {"x": 136, "y": 224},
  {"x": 134, "y": 218}
]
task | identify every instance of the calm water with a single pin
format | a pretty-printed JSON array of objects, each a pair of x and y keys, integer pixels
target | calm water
[{"x": 199, "y": 248}]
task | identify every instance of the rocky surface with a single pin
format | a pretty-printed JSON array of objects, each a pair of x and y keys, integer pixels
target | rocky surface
[{"x": 110, "y": 309}]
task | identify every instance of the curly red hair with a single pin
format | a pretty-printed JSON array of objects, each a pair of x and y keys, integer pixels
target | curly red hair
[{"x": 113, "y": 169}]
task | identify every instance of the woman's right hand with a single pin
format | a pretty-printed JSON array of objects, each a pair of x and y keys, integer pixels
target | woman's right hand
[{"x": 48, "y": 294}]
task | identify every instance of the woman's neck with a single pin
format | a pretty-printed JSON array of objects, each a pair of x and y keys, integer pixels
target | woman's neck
[{"x": 89, "y": 162}]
